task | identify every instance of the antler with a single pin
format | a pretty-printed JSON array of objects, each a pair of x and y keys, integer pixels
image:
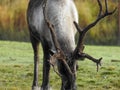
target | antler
[
  {"x": 78, "y": 52},
  {"x": 59, "y": 55}
]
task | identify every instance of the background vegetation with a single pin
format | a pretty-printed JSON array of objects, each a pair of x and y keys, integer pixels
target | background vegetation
[
  {"x": 13, "y": 24},
  {"x": 16, "y": 68}
]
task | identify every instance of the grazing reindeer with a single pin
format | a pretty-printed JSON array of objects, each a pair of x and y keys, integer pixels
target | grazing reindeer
[{"x": 54, "y": 24}]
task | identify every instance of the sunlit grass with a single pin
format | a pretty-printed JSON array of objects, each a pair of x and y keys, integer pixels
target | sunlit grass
[{"x": 16, "y": 68}]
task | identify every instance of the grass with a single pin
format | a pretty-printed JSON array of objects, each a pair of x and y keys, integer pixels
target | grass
[{"x": 16, "y": 68}]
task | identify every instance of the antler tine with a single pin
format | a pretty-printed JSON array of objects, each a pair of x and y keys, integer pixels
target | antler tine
[
  {"x": 79, "y": 29},
  {"x": 106, "y": 6},
  {"x": 106, "y": 11},
  {"x": 100, "y": 6},
  {"x": 79, "y": 47}
]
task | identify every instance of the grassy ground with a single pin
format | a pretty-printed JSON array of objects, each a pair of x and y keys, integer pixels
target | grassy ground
[{"x": 16, "y": 68}]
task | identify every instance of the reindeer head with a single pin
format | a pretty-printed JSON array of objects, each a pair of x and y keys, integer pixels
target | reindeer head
[{"x": 69, "y": 63}]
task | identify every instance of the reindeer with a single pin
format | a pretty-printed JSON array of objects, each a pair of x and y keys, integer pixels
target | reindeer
[{"x": 54, "y": 23}]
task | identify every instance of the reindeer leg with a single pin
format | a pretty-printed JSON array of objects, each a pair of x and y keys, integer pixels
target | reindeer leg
[
  {"x": 35, "y": 45},
  {"x": 46, "y": 69}
]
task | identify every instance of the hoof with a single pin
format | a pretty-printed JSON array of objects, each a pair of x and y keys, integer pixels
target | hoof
[{"x": 35, "y": 88}]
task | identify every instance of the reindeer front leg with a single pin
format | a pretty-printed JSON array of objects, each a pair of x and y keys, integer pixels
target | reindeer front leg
[
  {"x": 35, "y": 45},
  {"x": 46, "y": 68}
]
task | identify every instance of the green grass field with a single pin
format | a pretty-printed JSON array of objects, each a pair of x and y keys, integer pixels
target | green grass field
[{"x": 16, "y": 68}]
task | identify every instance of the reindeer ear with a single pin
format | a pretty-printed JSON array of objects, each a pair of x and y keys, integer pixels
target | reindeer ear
[{"x": 52, "y": 51}]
